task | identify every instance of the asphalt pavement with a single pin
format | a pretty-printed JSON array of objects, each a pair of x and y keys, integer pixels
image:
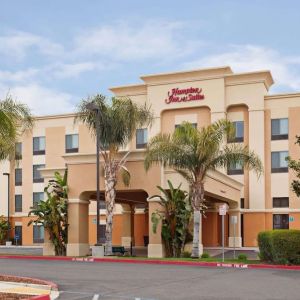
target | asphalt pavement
[{"x": 117, "y": 281}]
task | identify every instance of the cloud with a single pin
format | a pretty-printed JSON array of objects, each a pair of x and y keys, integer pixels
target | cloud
[
  {"x": 124, "y": 42},
  {"x": 246, "y": 58},
  {"x": 41, "y": 100},
  {"x": 18, "y": 44}
]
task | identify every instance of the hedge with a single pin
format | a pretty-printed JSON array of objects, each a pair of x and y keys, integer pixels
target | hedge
[{"x": 280, "y": 246}]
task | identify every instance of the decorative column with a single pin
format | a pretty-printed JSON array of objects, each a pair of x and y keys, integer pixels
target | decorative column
[
  {"x": 235, "y": 238},
  {"x": 126, "y": 226},
  {"x": 155, "y": 246},
  {"x": 78, "y": 234}
]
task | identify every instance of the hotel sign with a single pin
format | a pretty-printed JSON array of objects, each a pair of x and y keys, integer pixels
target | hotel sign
[{"x": 184, "y": 95}]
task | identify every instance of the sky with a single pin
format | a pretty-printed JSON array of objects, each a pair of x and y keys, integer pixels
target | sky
[{"x": 55, "y": 53}]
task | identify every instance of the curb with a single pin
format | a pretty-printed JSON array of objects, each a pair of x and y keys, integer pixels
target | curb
[{"x": 151, "y": 262}]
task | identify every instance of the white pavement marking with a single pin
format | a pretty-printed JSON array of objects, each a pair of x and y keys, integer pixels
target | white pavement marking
[{"x": 96, "y": 297}]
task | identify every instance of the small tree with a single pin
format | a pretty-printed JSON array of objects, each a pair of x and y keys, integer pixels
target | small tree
[
  {"x": 3, "y": 229},
  {"x": 175, "y": 217},
  {"x": 295, "y": 166},
  {"x": 53, "y": 213}
]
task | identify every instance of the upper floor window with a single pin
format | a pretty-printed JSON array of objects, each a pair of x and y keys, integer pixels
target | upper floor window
[
  {"x": 37, "y": 198},
  {"x": 239, "y": 132},
  {"x": 141, "y": 138},
  {"x": 242, "y": 203},
  {"x": 281, "y": 202},
  {"x": 18, "y": 151},
  {"x": 37, "y": 176},
  {"x": 39, "y": 145},
  {"x": 18, "y": 176},
  {"x": 102, "y": 205},
  {"x": 235, "y": 169},
  {"x": 281, "y": 221},
  {"x": 71, "y": 143},
  {"x": 18, "y": 203},
  {"x": 279, "y": 164},
  {"x": 280, "y": 129}
]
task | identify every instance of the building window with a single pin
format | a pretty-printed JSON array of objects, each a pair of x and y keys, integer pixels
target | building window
[
  {"x": 281, "y": 202},
  {"x": 18, "y": 203},
  {"x": 235, "y": 169},
  {"x": 238, "y": 133},
  {"x": 71, "y": 143},
  {"x": 38, "y": 234},
  {"x": 242, "y": 203},
  {"x": 18, "y": 176},
  {"x": 37, "y": 198},
  {"x": 281, "y": 221},
  {"x": 37, "y": 177},
  {"x": 39, "y": 145},
  {"x": 279, "y": 164},
  {"x": 280, "y": 129},
  {"x": 18, "y": 151},
  {"x": 102, "y": 205},
  {"x": 141, "y": 138}
]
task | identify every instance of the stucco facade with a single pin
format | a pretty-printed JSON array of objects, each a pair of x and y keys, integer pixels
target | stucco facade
[{"x": 266, "y": 123}]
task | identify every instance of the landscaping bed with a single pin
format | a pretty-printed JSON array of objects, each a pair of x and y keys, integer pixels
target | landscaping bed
[
  {"x": 21, "y": 279},
  {"x": 9, "y": 296}
]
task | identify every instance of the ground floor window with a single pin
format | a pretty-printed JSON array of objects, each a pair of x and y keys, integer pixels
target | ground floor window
[
  {"x": 38, "y": 234},
  {"x": 281, "y": 221}
]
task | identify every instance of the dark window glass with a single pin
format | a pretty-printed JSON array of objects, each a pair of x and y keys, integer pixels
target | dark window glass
[
  {"x": 38, "y": 234},
  {"x": 141, "y": 138},
  {"x": 279, "y": 164},
  {"x": 102, "y": 205},
  {"x": 280, "y": 129},
  {"x": 239, "y": 132},
  {"x": 18, "y": 151},
  {"x": 37, "y": 197},
  {"x": 39, "y": 145},
  {"x": 18, "y": 235},
  {"x": 281, "y": 221},
  {"x": 242, "y": 203},
  {"x": 18, "y": 203},
  {"x": 235, "y": 169},
  {"x": 71, "y": 143},
  {"x": 18, "y": 176},
  {"x": 102, "y": 233},
  {"x": 37, "y": 177},
  {"x": 281, "y": 202}
]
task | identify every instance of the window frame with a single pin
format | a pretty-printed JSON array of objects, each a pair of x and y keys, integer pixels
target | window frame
[
  {"x": 18, "y": 154},
  {"x": 34, "y": 202},
  {"x": 37, "y": 180},
  {"x": 71, "y": 150},
  {"x": 278, "y": 169},
  {"x": 38, "y": 152},
  {"x": 276, "y": 137},
  {"x": 18, "y": 208},
  {"x": 235, "y": 171},
  {"x": 236, "y": 139},
  {"x": 279, "y": 199},
  {"x": 282, "y": 224},
  {"x": 18, "y": 183},
  {"x": 37, "y": 240},
  {"x": 144, "y": 145}
]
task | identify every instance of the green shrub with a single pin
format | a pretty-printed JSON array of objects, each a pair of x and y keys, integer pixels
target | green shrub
[
  {"x": 280, "y": 246},
  {"x": 205, "y": 255},
  {"x": 264, "y": 244},
  {"x": 186, "y": 254},
  {"x": 242, "y": 257}
]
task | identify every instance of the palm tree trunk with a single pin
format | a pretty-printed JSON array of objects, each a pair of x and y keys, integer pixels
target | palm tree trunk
[
  {"x": 197, "y": 195},
  {"x": 110, "y": 196}
]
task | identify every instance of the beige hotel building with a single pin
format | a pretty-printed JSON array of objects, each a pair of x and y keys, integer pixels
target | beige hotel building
[{"x": 266, "y": 123}]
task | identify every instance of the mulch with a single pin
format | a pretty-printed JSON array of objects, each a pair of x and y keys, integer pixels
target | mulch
[
  {"x": 9, "y": 296},
  {"x": 20, "y": 279}
]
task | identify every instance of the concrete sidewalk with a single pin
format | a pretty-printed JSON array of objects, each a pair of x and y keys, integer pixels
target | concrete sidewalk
[{"x": 28, "y": 289}]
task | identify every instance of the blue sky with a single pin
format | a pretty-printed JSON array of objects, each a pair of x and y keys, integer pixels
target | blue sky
[{"x": 54, "y": 53}]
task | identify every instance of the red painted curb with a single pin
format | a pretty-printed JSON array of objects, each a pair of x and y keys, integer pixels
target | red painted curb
[
  {"x": 155, "y": 262},
  {"x": 42, "y": 297}
]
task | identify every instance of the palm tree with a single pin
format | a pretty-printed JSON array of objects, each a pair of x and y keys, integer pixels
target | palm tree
[
  {"x": 53, "y": 213},
  {"x": 192, "y": 153},
  {"x": 118, "y": 119},
  {"x": 15, "y": 118}
]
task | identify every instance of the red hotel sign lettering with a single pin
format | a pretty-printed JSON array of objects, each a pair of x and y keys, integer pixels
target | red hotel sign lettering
[{"x": 184, "y": 95}]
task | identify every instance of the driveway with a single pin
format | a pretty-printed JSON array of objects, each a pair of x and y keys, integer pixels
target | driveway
[{"x": 108, "y": 281}]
